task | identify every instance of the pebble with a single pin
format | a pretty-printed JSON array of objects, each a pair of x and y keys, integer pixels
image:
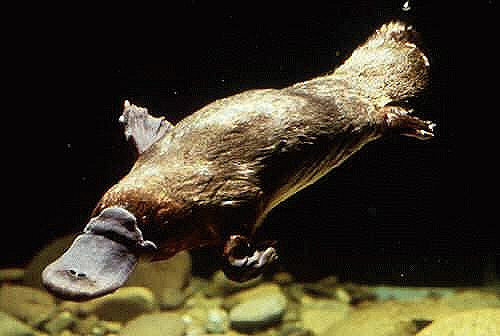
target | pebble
[
  {"x": 388, "y": 318},
  {"x": 11, "y": 274},
  {"x": 60, "y": 322},
  {"x": 171, "y": 273},
  {"x": 122, "y": 305},
  {"x": 258, "y": 311},
  {"x": 155, "y": 324},
  {"x": 472, "y": 299},
  {"x": 33, "y": 274},
  {"x": 10, "y": 326},
  {"x": 30, "y": 305},
  {"x": 217, "y": 321},
  {"x": 172, "y": 298},
  {"x": 484, "y": 322},
  {"x": 283, "y": 278},
  {"x": 222, "y": 286}
]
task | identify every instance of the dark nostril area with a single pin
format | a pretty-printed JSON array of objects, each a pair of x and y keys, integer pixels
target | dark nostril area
[{"x": 76, "y": 274}]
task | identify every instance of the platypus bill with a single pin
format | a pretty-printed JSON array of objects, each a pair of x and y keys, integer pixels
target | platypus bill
[{"x": 212, "y": 178}]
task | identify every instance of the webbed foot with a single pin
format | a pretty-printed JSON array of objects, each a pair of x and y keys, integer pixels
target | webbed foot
[
  {"x": 243, "y": 262},
  {"x": 397, "y": 119}
]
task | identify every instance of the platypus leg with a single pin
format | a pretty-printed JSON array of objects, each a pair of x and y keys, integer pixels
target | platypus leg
[
  {"x": 398, "y": 120},
  {"x": 141, "y": 128},
  {"x": 243, "y": 261}
]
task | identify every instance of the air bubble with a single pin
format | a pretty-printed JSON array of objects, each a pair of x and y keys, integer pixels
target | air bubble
[{"x": 406, "y": 6}]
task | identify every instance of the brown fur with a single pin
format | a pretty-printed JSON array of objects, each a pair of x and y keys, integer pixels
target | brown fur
[{"x": 223, "y": 168}]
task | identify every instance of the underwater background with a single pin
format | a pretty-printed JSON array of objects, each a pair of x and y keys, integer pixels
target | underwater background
[{"x": 400, "y": 212}]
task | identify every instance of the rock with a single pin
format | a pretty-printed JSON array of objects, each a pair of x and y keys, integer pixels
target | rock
[
  {"x": 217, "y": 321},
  {"x": 172, "y": 298},
  {"x": 84, "y": 326},
  {"x": 472, "y": 299},
  {"x": 259, "y": 308},
  {"x": 319, "y": 315},
  {"x": 122, "y": 305},
  {"x": 33, "y": 274},
  {"x": 156, "y": 324},
  {"x": 262, "y": 290},
  {"x": 66, "y": 333},
  {"x": 63, "y": 320},
  {"x": 295, "y": 331},
  {"x": 283, "y": 278},
  {"x": 388, "y": 318},
  {"x": 11, "y": 274},
  {"x": 195, "y": 330},
  {"x": 110, "y": 326},
  {"x": 10, "y": 326},
  {"x": 409, "y": 293},
  {"x": 295, "y": 292},
  {"x": 222, "y": 286},
  {"x": 484, "y": 322},
  {"x": 157, "y": 275},
  {"x": 30, "y": 305}
]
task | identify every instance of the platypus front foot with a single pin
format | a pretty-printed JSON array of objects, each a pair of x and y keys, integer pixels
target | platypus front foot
[{"x": 243, "y": 262}]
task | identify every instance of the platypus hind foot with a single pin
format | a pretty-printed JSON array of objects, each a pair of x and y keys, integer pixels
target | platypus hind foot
[
  {"x": 243, "y": 262},
  {"x": 398, "y": 120}
]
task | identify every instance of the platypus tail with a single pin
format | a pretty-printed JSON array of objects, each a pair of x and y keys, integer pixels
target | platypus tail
[{"x": 388, "y": 67}]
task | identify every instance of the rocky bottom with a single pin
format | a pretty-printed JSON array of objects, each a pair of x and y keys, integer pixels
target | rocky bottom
[
  {"x": 278, "y": 306},
  {"x": 164, "y": 299}
]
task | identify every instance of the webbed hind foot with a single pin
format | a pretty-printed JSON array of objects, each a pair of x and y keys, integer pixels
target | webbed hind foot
[
  {"x": 398, "y": 120},
  {"x": 243, "y": 262}
]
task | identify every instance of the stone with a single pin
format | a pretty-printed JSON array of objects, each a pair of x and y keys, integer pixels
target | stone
[
  {"x": 484, "y": 322},
  {"x": 122, "y": 305},
  {"x": 60, "y": 322},
  {"x": 11, "y": 274},
  {"x": 10, "y": 326},
  {"x": 295, "y": 331},
  {"x": 283, "y": 278},
  {"x": 85, "y": 325},
  {"x": 472, "y": 299},
  {"x": 30, "y": 305},
  {"x": 111, "y": 326},
  {"x": 217, "y": 321},
  {"x": 33, "y": 273},
  {"x": 262, "y": 290},
  {"x": 155, "y": 324},
  {"x": 295, "y": 292},
  {"x": 158, "y": 275},
  {"x": 319, "y": 315},
  {"x": 388, "y": 318},
  {"x": 66, "y": 333},
  {"x": 220, "y": 285},
  {"x": 258, "y": 311},
  {"x": 409, "y": 293},
  {"x": 171, "y": 298}
]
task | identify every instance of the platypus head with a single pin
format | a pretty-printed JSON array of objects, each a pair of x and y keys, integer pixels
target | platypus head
[{"x": 100, "y": 259}]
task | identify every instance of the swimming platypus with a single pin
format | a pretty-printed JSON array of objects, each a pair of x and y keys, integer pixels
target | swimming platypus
[{"x": 212, "y": 178}]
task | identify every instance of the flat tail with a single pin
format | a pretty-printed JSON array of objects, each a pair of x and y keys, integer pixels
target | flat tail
[{"x": 389, "y": 67}]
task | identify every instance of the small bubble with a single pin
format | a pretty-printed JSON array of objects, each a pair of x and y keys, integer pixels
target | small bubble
[
  {"x": 68, "y": 145},
  {"x": 406, "y": 6}
]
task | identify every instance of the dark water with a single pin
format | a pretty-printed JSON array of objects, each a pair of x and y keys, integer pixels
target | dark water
[{"x": 399, "y": 211}]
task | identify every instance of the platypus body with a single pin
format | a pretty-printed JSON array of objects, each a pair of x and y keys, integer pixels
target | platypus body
[{"x": 212, "y": 178}]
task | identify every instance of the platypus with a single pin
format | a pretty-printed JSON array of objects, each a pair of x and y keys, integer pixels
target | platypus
[{"x": 211, "y": 179}]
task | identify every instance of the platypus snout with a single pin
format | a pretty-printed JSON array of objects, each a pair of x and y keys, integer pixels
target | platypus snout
[{"x": 100, "y": 259}]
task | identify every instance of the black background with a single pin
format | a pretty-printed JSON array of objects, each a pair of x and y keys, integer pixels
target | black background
[{"x": 398, "y": 211}]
